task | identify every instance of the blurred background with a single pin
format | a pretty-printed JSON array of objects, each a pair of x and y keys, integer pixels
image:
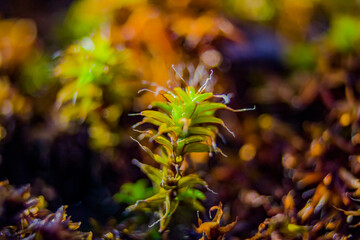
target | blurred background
[{"x": 69, "y": 76}]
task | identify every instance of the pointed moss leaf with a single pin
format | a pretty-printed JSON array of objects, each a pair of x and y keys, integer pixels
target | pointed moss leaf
[
  {"x": 163, "y": 160},
  {"x": 147, "y": 120},
  {"x": 165, "y": 143},
  {"x": 190, "y": 110},
  {"x": 146, "y": 149},
  {"x": 212, "y": 128},
  {"x": 169, "y": 97},
  {"x": 191, "y": 91},
  {"x": 183, "y": 95},
  {"x": 211, "y": 119},
  {"x": 170, "y": 208},
  {"x": 206, "y": 113},
  {"x": 153, "y": 173},
  {"x": 162, "y": 106},
  {"x": 158, "y": 116},
  {"x": 207, "y": 119},
  {"x": 154, "y": 200},
  {"x": 152, "y": 121},
  {"x": 177, "y": 111},
  {"x": 210, "y": 106},
  {"x": 201, "y": 97},
  {"x": 165, "y": 129},
  {"x": 190, "y": 181},
  {"x": 192, "y": 139},
  {"x": 202, "y": 131},
  {"x": 196, "y": 147}
]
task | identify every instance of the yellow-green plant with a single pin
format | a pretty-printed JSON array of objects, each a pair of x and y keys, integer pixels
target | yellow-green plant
[
  {"x": 183, "y": 123},
  {"x": 97, "y": 85}
]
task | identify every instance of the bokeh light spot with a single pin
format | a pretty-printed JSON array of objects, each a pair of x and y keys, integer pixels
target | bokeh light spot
[{"x": 247, "y": 152}]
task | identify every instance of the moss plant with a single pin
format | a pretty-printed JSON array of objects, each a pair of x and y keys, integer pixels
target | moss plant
[
  {"x": 212, "y": 229},
  {"x": 183, "y": 123},
  {"x": 25, "y": 217}
]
